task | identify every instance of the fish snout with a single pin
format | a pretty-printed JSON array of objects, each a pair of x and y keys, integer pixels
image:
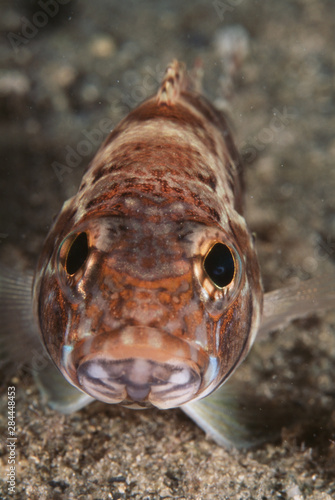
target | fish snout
[{"x": 137, "y": 367}]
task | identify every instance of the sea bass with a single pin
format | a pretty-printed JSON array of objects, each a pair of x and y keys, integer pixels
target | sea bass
[{"x": 148, "y": 289}]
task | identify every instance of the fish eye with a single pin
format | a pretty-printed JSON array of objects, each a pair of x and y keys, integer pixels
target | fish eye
[
  {"x": 219, "y": 265},
  {"x": 77, "y": 254}
]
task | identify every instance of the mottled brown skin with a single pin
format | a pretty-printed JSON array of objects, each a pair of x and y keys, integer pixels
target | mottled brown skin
[{"x": 164, "y": 186}]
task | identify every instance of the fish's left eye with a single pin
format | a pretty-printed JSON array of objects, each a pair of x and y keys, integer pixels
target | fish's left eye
[
  {"x": 219, "y": 265},
  {"x": 77, "y": 254}
]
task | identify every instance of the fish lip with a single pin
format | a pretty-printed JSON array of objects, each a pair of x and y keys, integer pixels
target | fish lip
[{"x": 138, "y": 365}]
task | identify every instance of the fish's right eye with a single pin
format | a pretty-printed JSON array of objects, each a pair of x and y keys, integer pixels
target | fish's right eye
[
  {"x": 219, "y": 268},
  {"x": 77, "y": 254},
  {"x": 219, "y": 265}
]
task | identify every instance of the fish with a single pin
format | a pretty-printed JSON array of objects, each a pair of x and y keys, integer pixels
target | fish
[{"x": 148, "y": 291}]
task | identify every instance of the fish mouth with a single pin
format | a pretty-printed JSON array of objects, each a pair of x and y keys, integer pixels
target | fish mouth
[{"x": 138, "y": 367}]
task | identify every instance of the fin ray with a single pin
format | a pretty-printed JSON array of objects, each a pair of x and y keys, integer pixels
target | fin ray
[
  {"x": 174, "y": 82},
  {"x": 297, "y": 301},
  {"x": 19, "y": 337},
  {"x": 234, "y": 417},
  {"x": 57, "y": 392}
]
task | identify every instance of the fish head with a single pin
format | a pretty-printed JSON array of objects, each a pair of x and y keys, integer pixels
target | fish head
[{"x": 155, "y": 313}]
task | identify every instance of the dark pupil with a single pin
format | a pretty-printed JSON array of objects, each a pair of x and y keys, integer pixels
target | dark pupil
[
  {"x": 77, "y": 254},
  {"x": 219, "y": 265}
]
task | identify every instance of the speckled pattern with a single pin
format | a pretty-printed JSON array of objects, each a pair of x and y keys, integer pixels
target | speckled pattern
[{"x": 91, "y": 62}]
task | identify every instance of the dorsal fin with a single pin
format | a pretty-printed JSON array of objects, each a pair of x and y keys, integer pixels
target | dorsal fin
[{"x": 174, "y": 82}]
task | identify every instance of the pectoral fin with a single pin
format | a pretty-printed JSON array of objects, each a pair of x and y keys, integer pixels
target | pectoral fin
[
  {"x": 234, "y": 417},
  {"x": 57, "y": 392},
  {"x": 297, "y": 301},
  {"x": 19, "y": 336}
]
